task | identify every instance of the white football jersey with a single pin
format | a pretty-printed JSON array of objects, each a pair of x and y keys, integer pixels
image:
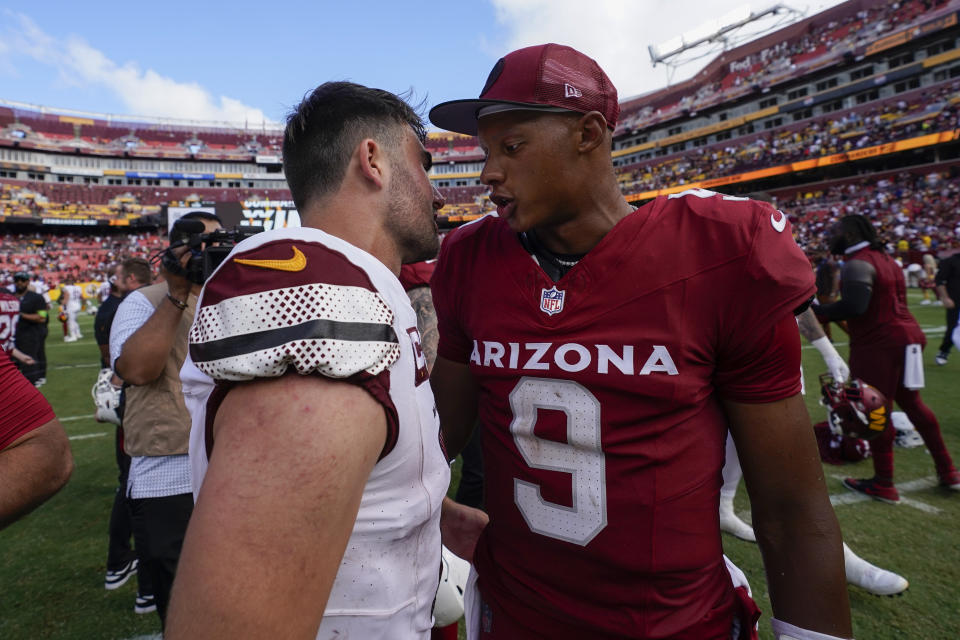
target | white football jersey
[
  {"x": 299, "y": 297},
  {"x": 75, "y": 299}
]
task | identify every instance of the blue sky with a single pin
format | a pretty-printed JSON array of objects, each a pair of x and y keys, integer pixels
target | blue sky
[{"x": 247, "y": 60}]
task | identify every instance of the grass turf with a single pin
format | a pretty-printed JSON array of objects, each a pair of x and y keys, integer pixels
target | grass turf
[{"x": 52, "y": 562}]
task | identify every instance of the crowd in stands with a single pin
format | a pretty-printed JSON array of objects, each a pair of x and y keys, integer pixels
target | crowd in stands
[
  {"x": 21, "y": 198},
  {"x": 899, "y": 119},
  {"x": 32, "y": 129},
  {"x": 785, "y": 59},
  {"x": 915, "y": 213},
  {"x": 39, "y": 200},
  {"x": 52, "y": 259}
]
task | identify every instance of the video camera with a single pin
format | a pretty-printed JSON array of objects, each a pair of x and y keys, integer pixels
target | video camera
[{"x": 207, "y": 249}]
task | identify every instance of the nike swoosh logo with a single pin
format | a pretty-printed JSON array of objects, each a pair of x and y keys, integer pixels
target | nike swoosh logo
[
  {"x": 779, "y": 225},
  {"x": 297, "y": 263}
]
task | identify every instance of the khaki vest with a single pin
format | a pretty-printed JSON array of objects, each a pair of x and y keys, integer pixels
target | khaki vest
[{"x": 155, "y": 420}]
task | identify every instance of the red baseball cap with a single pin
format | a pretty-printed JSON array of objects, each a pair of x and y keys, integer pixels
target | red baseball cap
[{"x": 547, "y": 77}]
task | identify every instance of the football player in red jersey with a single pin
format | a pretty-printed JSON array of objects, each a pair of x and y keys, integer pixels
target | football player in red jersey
[
  {"x": 606, "y": 349},
  {"x": 35, "y": 458},
  {"x": 886, "y": 346},
  {"x": 9, "y": 316}
]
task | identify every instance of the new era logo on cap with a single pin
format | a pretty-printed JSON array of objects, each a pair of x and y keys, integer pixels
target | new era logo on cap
[{"x": 547, "y": 77}]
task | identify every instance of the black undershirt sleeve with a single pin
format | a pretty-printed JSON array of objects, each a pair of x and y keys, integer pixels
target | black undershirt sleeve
[{"x": 856, "y": 289}]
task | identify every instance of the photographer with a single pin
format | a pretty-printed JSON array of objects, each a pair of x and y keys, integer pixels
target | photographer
[{"x": 148, "y": 344}]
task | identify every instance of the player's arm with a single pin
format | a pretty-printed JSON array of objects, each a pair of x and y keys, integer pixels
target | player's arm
[
  {"x": 948, "y": 302},
  {"x": 276, "y": 508},
  {"x": 856, "y": 289},
  {"x": 20, "y": 356},
  {"x": 143, "y": 355},
  {"x": 37, "y": 317},
  {"x": 422, "y": 302},
  {"x": 811, "y": 329},
  {"x": 796, "y": 527},
  {"x": 35, "y": 458},
  {"x": 455, "y": 392},
  {"x": 943, "y": 274},
  {"x": 32, "y": 468}
]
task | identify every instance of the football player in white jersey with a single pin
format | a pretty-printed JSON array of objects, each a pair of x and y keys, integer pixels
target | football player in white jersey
[
  {"x": 318, "y": 468},
  {"x": 71, "y": 304}
]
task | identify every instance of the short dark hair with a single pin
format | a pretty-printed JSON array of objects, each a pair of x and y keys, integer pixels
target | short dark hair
[
  {"x": 197, "y": 214},
  {"x": 178, "y": 235},
  {"x": 323, "y": 130},
  {"x": 138, "y": 268}
]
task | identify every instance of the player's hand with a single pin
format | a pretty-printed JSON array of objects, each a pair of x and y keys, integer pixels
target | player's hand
[
  {"x": 178, "y": 286},
  {"x": 460, "y": 527},
  {"x": 22, "y": 357},
  {"x": 948, "y": 302},
  {"x": 837, "y": 368}
]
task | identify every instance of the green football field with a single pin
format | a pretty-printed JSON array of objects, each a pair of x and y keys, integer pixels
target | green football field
[{"x": 52, "y": 562}]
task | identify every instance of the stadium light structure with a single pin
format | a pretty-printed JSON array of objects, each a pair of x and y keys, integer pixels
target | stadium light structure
[{"x": 730, "y": 30}]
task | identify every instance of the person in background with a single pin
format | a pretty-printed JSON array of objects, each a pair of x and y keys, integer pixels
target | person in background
[
  {"x": 71, "y": 302},
  {"x": 948, "y": 290},
  {"x": 122, "y": 560},
  {"x": 886, "y": 349},
  {"x": 31, "y": 335},
  {"x": 148, "y": 345}
]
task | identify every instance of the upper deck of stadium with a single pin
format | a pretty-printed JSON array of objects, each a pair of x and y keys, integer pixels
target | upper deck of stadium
[{"x": 860, "y": 88}]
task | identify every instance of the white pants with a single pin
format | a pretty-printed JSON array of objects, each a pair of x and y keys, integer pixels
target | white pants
[{"x": 73, "y": 327}]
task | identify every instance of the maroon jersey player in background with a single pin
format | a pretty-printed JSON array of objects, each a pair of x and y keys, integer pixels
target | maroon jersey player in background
[
  {"x": 606, "y": 349},
  {"x": 885, "y": 349},
  {"x": 9, "y": 316}
]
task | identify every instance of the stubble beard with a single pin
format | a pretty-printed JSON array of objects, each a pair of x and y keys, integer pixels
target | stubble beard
[{"x": 411, "y": 220}]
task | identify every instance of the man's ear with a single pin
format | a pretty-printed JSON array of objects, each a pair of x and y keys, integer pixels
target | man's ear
[
  {"x": 371, "y": 159},
  {"x": 592, "y": 129}
]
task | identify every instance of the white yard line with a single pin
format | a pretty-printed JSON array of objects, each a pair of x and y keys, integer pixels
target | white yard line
[
  {"x": 850, "y": 497},
  {"x": 930, "y": 331},
  {"x": 88, "y": 435},
  {"x": 72, "y": 418}
]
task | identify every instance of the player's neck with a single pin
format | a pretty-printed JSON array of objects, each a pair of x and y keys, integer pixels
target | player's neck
[
  {"x": 360, "y": 231},
  {"x": 586, "y": 227}
]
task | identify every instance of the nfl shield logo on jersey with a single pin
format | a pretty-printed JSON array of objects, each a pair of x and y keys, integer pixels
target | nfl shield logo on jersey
[{"x": 551, "y": 300}]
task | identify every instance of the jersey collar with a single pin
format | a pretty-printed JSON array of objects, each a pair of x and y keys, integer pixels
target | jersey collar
[{"x": 856, "y": 247}]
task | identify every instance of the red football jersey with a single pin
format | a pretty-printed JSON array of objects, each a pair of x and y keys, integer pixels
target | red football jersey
[
  {"x": 603, "y": 433},
  {"x": 417, "y": 274},
  {"x": 22, "y": 407},
  {"x": 887, "y": 322},
  {"x": 9, "y": 315}
]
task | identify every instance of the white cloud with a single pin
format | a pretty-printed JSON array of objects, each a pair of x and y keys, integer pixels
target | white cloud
[
  {"x": 144, "y": 92},
  {"x": 616, "y": 33}
]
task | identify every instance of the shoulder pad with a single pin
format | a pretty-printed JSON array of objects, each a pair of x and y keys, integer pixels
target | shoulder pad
[{"x": 291, "y": 302}]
